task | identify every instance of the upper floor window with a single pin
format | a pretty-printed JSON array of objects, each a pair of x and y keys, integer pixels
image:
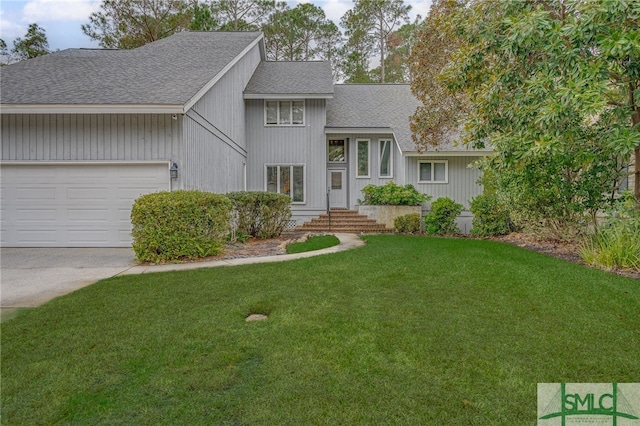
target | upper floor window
[
  {"x": 433, "y": 171},
  {"x": 386, "y": 158},
  {"x": 362, "y": 147},
  {"x": 337, "y": 151},
  {"x": 284, "y": 113}
]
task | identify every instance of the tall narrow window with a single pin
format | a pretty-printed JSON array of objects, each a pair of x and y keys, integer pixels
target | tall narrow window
[
  {"x": 286, "y": 179},
  {"x": 385, "y": 158},
  {"x": 337, "y": 153},
  {"x": 363, "y": 158},
  {"x": 433, "y": 171}
]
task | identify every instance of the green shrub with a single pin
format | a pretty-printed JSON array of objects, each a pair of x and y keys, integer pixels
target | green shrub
[
  {"x": 179, "y": 225},
  {"x": 441, "y": 219},
  {"x": 408, "y": 224},
  {"x": 260, "y": 214},
  {"x": 391, "y": 194},
  {"x": 617, "y": 244},
  {"x": 490, "y": 217}
]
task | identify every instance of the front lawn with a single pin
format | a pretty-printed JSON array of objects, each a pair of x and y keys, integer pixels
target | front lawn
[{"x": 406, "y": 330}]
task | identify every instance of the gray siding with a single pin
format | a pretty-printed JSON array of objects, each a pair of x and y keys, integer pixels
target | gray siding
[
  {"x": 289, "y": 145},
  {"x": 96, "y": 137},
  {"x": 215, "y": 135},
  {"x": 355, "y": 184},
  {"x": 462, "y": 185}
]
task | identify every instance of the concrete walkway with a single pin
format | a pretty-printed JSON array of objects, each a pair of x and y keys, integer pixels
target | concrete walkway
[
  {"x": 347, "y": 241},
  {"x": 30, "y": 277}
]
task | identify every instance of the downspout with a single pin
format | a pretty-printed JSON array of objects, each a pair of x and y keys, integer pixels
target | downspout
[{"x": 244, "y": 176}]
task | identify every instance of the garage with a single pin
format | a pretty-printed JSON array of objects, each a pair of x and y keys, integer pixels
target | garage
[{"x": 83, "y": 204}]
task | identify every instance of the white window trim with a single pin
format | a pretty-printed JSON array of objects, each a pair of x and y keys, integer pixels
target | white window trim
[
  {"x": 368, "y": 175},
  {"x": 304, "y": 177},
  {"x": 433, "y": 171},
  {"x": 304, "y": 113},
  {"x": 390, "y": 175}
]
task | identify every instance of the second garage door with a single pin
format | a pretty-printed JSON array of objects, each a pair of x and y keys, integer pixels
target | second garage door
[{"x": 73, "y": 205}]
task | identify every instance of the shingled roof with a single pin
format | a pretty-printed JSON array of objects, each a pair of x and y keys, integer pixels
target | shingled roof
[
  {"x": 311, "y": 79},
  {"x": 380, "y": 108},
  {"x": 169, "y": 72}
]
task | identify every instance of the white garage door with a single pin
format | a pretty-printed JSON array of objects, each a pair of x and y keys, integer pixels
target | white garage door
[{"x": 73, "y": 205}]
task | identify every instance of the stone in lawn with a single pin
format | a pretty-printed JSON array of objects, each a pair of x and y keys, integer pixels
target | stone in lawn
[{"x": 256, "y": 317}]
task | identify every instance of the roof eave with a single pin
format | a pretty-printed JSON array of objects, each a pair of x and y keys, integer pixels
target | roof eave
[
  {"x": 451, "y": 153},
  {"x": 92, "y": 109},
  {"x": 368, "y": 130},
  {"x": 288, "y": 95}
]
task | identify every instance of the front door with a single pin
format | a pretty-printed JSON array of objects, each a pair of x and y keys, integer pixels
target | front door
[{"x": 337, "y": 188}]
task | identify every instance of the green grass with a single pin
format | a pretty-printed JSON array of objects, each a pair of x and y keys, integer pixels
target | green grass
[
  {"x": 405, "y": 330},
  {"x": 316, "y": 242}
]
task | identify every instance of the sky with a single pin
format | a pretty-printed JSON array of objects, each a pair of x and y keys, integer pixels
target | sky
[{"x": 62, "y": 19}]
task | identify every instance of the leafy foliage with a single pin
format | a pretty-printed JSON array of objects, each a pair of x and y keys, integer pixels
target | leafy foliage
[
  {"x": 617, "y": 244},
  {"x": 127, "y": 24},
  {"x": 552, "y": 86},
  {"x": 391, "y": 194},
  {"x": 260, "y": 214},
  {"x": 33, "y": 44},
  {"x": 441, "y": 220},
  {"x": 179, "y": 225},
  {"x": 300, "y": 34},
  {"x": 408, "y": 223},
  {"x": 368, "y": 26},
  {"x": 490, "y": 216}
]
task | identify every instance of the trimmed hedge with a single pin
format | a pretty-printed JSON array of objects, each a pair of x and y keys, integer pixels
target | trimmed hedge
[
  {"x": 441, "y": 220},
  {"x": 392, "y": 194},
  {"x": 260, "y": 214},
  {"x": 408, "y": 224},
  {"x": 179, "y": 225}
]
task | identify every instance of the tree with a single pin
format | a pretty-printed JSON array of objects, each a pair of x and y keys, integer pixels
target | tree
[
  {"x": 244, "y": 15},
  {"x": 442, "y": 111},
  {"x": 5, "y": 57},
  {"x": 399, "y": 46},
  {"x": 552, "y": 85},
  {"x": 368, "y": 26},
  {"x": 127, "y": 24},
  {"x": 33, "y": 44},
  {"x": 300, "y": 34}
]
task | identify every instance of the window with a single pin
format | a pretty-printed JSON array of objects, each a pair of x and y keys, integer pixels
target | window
[
  {"x": 433, "y": 171},
  {"x": 286, "y": 179},
  {"x": 362, "y": 146},
  {"x": 337, "y": 152},
  {"x": 386, "y": 160},
  {"x": 284, "y": 113}
]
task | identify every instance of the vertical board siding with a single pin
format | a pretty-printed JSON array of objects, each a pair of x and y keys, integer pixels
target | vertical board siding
[
  {"x": 214, "y": 132},
  {"x": 95, "y": 137},
  {"x": 355, "y": 184},
  {"x": 463, "y": 179},
  {"x": 210, "y": 164},
  {"x": 289, "y": 145}
]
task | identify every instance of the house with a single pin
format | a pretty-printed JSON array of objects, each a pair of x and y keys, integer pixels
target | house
[{"x": 87, "y": 131}]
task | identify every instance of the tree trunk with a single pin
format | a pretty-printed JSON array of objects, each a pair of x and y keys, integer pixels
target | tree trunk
[{"x": 382, "y": 48}]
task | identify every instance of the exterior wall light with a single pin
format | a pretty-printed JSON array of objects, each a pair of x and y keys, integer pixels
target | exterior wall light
[{"x": 173, "y": 171}]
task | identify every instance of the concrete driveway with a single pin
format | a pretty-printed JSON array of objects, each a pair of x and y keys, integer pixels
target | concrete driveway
[{"x": 32, "y": 276}]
